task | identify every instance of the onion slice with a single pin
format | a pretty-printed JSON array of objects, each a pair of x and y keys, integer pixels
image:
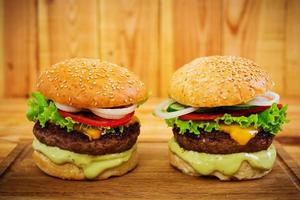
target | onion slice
[
  {"x": 107, "y": 113},
  {"x": 66, "y": 108},
  {"x": 266, "y": 99},
  {"x": 159, "y": 110},
  {"x": 107, "y": 116},
  {"x": 113, "y": 113}
]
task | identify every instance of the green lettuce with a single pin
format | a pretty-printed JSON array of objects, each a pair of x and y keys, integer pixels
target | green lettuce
[
  {"x": 270, "y": 120},
  {"x": 42, "y": 110},
  {"x": 192, "y": 126}
]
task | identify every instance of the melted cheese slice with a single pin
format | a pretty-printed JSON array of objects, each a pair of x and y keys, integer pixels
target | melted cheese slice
[
  {"x": 94, "y": 133},
  {"x": 240, "y": 135}
]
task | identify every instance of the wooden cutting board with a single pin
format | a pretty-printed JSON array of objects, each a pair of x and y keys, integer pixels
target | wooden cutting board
[{"x": 154, "y": 178}]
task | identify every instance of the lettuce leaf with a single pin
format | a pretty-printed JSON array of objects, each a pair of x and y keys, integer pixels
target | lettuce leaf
[
  {"x": 192, "y": 126},
  {"x": 43, "y": 111},
  {"x": 270, "y": 120}
]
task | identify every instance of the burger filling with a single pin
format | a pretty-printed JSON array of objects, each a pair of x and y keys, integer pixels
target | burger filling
[
  {"x": 243, "y": 125},
  {"x": 75, "y": 141},
  {"x": 247, "y": 127},
  {"x": 220, "y": 142},
  {"x": 44, "y": 111}
]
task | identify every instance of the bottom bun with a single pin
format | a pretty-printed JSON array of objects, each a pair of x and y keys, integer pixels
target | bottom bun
[
  {"x": 72, "y": 172},
  {"x": 245, "y": 172}
]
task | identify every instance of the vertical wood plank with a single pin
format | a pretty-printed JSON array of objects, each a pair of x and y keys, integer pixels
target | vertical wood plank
[
  {"x": 20, "y": 47},
  {"x": 33, "y": 48},
  {"x": 189, "y": 29},
  {"x": 255, "y": 29},
  {"x": 270, "y": 51},
  {"x": 197, "y": 29},
  {"x": 129, "y": 37},
  {"x": 1, "y": 48},
  {"x": 240, "y": 27},
  {"x": 292, "y": 73},
  {"x": 152, "y": 38},
  {"x": 44, "y": 58},
  {"x": 72, "y": 30},
  {"x": 166, "y": 41}
]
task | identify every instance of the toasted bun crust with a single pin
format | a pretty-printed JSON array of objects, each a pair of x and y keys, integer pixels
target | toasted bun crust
[
  {"x": 218, "y": 81},
  {"x": 72, "y": 172},
  {"x": 85, "y": 83},
  {"x": 245, "y": 172}
]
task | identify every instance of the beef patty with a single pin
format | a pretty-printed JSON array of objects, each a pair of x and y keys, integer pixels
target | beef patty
[
  {"x": 218, "y": 142},
  {"x": 53, "y": 135}
]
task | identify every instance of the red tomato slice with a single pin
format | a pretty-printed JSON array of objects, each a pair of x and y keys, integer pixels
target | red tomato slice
[
  {"x": 212, "y": 116},
  {"x": 97, "y": 121},
  {"x": 200, "y": 117},
  {"x": 248, "y": 111}
]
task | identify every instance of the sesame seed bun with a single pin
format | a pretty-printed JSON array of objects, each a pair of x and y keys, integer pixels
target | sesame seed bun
[
  {"x": 72, "y": 172},
  {"x": 218, "y": 81},
  {"x": 245, "y": 172},
  {"x": 86, "y": 83}
]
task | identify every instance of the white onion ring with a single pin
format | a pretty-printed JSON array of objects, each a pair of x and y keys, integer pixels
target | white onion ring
[
  {"x": 107, "y": 116},
  {"x": 168, "y": 115},
  {"x": 266, "y": 99},
  {"x": 107, "y": 113},
  {"x": 66, "y": 108},
  {"x": 113, "y": 113}
]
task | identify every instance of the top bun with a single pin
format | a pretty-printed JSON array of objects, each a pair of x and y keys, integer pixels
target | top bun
[
  {"x": 88, "y": 83},
  {"x": 218, "y": 81}
]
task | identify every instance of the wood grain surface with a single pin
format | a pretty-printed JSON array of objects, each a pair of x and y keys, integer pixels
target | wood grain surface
[
  {"x": 67, "y": 29},
  {"x": 2, "y": 83},
  {"x": 6, "y": 148},
  {"x": 129, "y": 37},
  {"x": 151, "y": 37},
  {"x": 20, "y": 47},
  {"x": 154, "y": 178},
  {"x": 8, "y": 153},
  {"x": 292, "y": 47}
]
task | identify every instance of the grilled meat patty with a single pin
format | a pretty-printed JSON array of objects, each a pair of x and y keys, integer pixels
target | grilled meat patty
[
  {"x": 218, "y": 142},
  {"x": 53, "y": 135}
]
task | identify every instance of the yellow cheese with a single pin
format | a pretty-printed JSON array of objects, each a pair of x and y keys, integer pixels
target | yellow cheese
[
  {"x": 92, "y": 133},
  {"x": 240, "y": 135}
]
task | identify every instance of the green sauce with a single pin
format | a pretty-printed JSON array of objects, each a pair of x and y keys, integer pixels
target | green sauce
[
  {"x": 227, "y": 164},
  {"x": 92, "y": 166}
]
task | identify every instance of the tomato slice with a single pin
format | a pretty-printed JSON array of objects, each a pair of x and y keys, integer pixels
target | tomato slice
[
  {"x": 212, "y": 116},
  {"x": 200, "y": 117},
  {"x": 94, "y": 120}
]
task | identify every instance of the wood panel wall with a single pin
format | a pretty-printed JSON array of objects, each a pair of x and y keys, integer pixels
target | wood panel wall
[{"x": 151, "y": 37}]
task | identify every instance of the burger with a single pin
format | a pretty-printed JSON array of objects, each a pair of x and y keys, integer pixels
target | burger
[
  {"x": 85, "y": 127},
  {"x": 224, "y": 117}
]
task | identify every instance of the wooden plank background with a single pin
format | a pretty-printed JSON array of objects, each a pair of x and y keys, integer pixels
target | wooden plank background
[{"x": 151, "y": 37}]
